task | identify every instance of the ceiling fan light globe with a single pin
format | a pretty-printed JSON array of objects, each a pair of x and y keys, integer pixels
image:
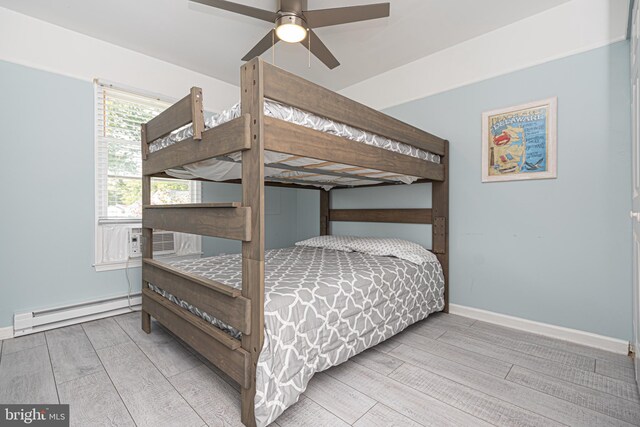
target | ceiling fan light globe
[{"x": 291, "y": 29}]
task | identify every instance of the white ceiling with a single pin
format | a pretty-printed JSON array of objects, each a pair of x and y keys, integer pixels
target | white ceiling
[{"x": 212, "y": 41}]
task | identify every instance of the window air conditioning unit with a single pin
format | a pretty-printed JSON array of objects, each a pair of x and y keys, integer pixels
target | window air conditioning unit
[{"x": 164, "y": 242}]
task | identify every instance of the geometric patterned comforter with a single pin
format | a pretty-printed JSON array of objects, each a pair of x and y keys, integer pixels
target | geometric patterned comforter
[{"x": 322, "y": 307}]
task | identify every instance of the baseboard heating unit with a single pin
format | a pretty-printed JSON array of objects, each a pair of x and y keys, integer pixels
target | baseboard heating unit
[{"x": 42, "y": 320}]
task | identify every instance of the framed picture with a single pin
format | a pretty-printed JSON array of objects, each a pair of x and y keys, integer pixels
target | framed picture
[{"x": 520, "y": 142}]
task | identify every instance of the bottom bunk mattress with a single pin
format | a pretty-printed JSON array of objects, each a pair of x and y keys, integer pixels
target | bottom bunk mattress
[{"x": 322, "y": 306}]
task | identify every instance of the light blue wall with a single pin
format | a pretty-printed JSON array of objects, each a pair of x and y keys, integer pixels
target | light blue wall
[
  {"x": 555, "y": 251},
  {"x": 47, "y": 215},
  {"x": 282, "y": 221}
]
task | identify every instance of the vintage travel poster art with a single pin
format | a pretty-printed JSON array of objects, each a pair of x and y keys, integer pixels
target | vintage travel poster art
[{"x": 520, "y": 142}]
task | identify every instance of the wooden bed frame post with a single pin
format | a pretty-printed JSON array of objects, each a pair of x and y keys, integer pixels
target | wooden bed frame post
[
  {"x": 325, "y": 207},
  {"x": 252, "y": 104},
  {"x": 440, "y": 227},
  {"x": 147, "y": 233}
]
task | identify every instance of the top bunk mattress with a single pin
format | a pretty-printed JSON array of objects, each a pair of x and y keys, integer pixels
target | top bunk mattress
[{"x": 229, "y": 167}]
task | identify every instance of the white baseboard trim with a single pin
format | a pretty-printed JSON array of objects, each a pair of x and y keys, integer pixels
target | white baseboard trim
[
  {"x": 6, "y": 333},
  {"x": 58, "y": 317},
  {"x": 572, "y": 335}
]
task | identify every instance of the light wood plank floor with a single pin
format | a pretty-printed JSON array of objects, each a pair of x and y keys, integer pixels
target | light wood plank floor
[{"x": 445, "y": 370}]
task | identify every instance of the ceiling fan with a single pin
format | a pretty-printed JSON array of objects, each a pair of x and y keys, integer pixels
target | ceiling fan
[{"x": 294, "y": 23}]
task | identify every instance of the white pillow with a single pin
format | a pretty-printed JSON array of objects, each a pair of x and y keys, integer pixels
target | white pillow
[{"x": 338, "y": 243}]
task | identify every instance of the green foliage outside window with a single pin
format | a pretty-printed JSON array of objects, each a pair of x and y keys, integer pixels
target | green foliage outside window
[{"x": 122, "y": 119}]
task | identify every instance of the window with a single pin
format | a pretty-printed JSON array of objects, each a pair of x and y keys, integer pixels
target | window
[{"x": 119, "y": 113}]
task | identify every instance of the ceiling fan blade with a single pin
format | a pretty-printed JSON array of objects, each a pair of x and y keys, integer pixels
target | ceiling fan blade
[
  {"x": 262, "y": 46},
  {"x": 320, "y": 51},
  {"x": 345, "y": 15},
  {"x": 254, "y": 12}
]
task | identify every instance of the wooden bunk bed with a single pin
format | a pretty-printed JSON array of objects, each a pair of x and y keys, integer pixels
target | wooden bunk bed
[{"x": 251, "y": 134}]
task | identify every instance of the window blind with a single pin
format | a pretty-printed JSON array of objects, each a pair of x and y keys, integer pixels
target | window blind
[
  {"x": 118, "y": 198},
  {"x": 119, "y": 114}
]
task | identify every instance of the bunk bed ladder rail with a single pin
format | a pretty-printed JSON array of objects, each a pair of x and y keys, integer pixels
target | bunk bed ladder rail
[
  {"x": 226, "y": 220},
  {"x": 225, "y": 303}
]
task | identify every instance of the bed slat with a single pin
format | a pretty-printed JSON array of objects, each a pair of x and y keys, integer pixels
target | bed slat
[
  {"x": 201, "y": 281},
  {"x": 289, "y": 138},
  {"x": 223, "y": 350},
  {"x": 399, "y": 216},
  {"x": 228, "y": 223},
  {"x": 221, "y": 140},
  {"x": 290, "y": 89},
  {"x": 197, "y": 205},
  {"x": 329, "y": 172},
  {"x": 216, "y": 299}
]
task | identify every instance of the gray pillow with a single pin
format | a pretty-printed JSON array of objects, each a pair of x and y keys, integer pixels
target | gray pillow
[{"x": 399, "y": 248}]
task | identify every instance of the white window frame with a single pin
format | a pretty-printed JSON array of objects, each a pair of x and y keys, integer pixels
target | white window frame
[{"x": 100, "y": 184}]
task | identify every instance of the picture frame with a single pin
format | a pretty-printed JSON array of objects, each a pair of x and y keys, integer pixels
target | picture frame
[{"x": 520, "y": 142}]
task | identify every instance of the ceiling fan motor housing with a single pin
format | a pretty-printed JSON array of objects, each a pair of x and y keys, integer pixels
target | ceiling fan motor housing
[
  {"x": 293, "y": 6},
  {"x": 291, "y": 18}
]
